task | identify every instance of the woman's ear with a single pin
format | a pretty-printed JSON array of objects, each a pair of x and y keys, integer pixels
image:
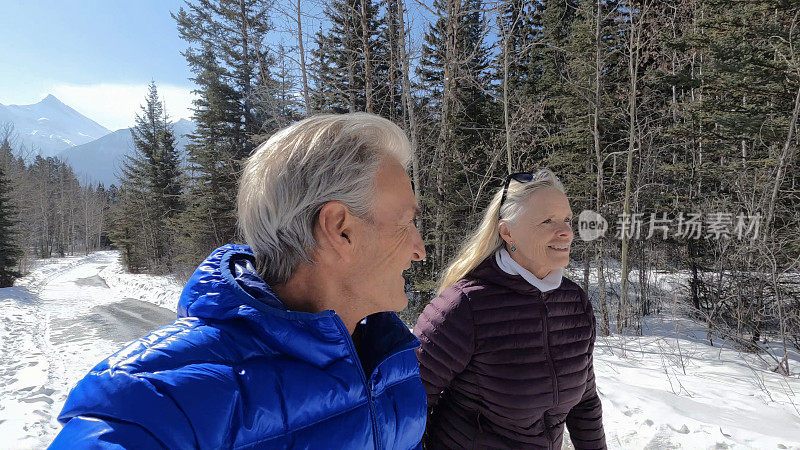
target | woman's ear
[{"x": 505, "y": 232}]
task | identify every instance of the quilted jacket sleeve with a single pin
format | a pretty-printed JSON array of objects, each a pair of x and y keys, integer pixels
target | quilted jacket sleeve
[
  {"x": 446, "y": 334},
  {"x": 585, "y": 420},
  {"x": 91, "y": 432},
  {"x": 114, "y": 409}
]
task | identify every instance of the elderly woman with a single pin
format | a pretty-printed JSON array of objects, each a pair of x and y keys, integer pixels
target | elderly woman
[{"x": 506, "y": 354}]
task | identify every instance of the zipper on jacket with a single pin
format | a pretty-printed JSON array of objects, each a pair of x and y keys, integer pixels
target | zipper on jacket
[
  {"x": 546, "y": 340},
  {"x": 368, "y": 387}
]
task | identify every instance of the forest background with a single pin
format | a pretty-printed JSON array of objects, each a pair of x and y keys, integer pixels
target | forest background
[{"x": 674, "y": 120}]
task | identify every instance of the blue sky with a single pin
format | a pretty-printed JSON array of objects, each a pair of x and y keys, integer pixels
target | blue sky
[
  {"x": 99, "y": 56},
  {"x": 96, "y": 56}
]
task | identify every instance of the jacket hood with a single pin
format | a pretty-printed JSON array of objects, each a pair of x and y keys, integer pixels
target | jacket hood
[{"x": 216, "y": 292}]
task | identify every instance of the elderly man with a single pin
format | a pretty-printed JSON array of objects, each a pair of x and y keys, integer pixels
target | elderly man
[{"x": 288, "y": 342}]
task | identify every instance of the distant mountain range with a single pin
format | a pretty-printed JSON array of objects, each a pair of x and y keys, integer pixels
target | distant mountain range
[
  {"x": 100, "y": 161},
  {"x": 51, "y": 128}
]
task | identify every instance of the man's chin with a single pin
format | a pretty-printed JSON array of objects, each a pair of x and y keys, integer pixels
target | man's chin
[{"x": 400, "y": 304}]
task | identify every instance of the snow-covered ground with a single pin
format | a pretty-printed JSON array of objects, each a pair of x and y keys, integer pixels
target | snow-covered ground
[
  {"x": 56, "y": 324},
  {"x": 668, "y": 389}
]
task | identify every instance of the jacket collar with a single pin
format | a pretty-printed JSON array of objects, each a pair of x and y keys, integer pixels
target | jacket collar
[
  {"x": 511, "y": 267},
  {"x": 489, "y": 271}
]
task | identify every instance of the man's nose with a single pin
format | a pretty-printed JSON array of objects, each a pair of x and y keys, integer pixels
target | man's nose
[{"x": 419, "y": 246}]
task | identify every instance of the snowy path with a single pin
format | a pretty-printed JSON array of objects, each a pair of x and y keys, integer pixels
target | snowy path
[{"x": 57, "y": 323}]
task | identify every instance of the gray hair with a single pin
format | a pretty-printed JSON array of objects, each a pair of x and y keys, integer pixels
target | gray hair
[
  {"x": 290, "y": 177},
  {"x": 518, "y": 193}
]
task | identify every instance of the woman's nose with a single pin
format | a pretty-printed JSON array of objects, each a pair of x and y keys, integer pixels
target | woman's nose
[{"x": 565, "y": 230}]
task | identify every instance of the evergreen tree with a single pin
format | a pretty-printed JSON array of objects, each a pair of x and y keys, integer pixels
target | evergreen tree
[
  {"x": 325, "y": 96},
  {"x": 639, "y": 106},
  {"x": 151, "y": 191},
  {"x": 389, "y": 67},
  {"x": 578, "y": 92},
  {"x": 232, "y": 68},
  {"x": 516, "y": 73},
  {"x": 744, "y": 150},
  {"x": 355, "y": 64},
  {"x": 9, "y": 251},
  {"x": 557, "y": 18},
  {"x": 520, "y": 33},
  {"x": 460, "y": 111},
  {"x": 214, "y": 162},
  {"x": 280, "y": 99}
]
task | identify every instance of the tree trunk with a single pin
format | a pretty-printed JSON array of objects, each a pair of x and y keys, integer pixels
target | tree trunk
[
  {"x": 303, "y": 69},
  {"x": 786, "y": 155},
  {"x": 391, "y": 15},
  {"x": 444, "y": 126},
  {"x": 605, "y": 327},
  {"x": 367, "y": 60},
  {"x": 506, "y": 115},
  {"x": 351, "y": 76},
  {"x": 247, "y": 82},
  {"x": 408, "y": 103},
  {"x": 633, "y": 70}
]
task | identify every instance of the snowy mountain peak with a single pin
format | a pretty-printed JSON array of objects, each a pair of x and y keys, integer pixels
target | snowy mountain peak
[
  {"x": 50, "y": 126},
  {"x": 52, "y": 100}
]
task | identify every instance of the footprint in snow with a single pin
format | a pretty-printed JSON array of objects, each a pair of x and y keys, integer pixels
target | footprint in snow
[
  {"x": 43, "y": 391},
  {"x": 683, "y": 430},
  {"x": 630, "y": 412},
  {"x": 38, "y": 398}
]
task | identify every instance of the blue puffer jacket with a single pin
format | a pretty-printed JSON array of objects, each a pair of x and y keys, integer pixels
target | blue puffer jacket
[{"x": 238, "y": 370}]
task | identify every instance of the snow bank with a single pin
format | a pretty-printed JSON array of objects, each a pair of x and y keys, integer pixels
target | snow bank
[{"x": 160, "y": 290}]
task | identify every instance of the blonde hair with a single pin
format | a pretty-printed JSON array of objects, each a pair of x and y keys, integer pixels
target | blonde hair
[
  {"x": 290, "y": 177},
  {"x": 486, "y": 240}
]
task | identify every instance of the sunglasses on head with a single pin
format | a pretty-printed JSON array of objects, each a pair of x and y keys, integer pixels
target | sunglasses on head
[{"x": 522, "y": 177}]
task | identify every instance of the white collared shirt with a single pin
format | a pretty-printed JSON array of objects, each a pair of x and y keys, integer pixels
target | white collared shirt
[{"x": 511, "y": 267}]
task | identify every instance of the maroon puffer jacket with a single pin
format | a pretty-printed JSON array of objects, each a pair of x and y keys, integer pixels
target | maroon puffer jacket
[{"x": 505, "y": 366}]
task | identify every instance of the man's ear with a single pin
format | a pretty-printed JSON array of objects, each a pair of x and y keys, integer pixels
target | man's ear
[{"x": 334, "y": 229}]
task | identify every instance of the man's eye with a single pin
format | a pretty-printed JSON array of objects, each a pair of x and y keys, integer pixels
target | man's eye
[{"x": 547, "y": 221}]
